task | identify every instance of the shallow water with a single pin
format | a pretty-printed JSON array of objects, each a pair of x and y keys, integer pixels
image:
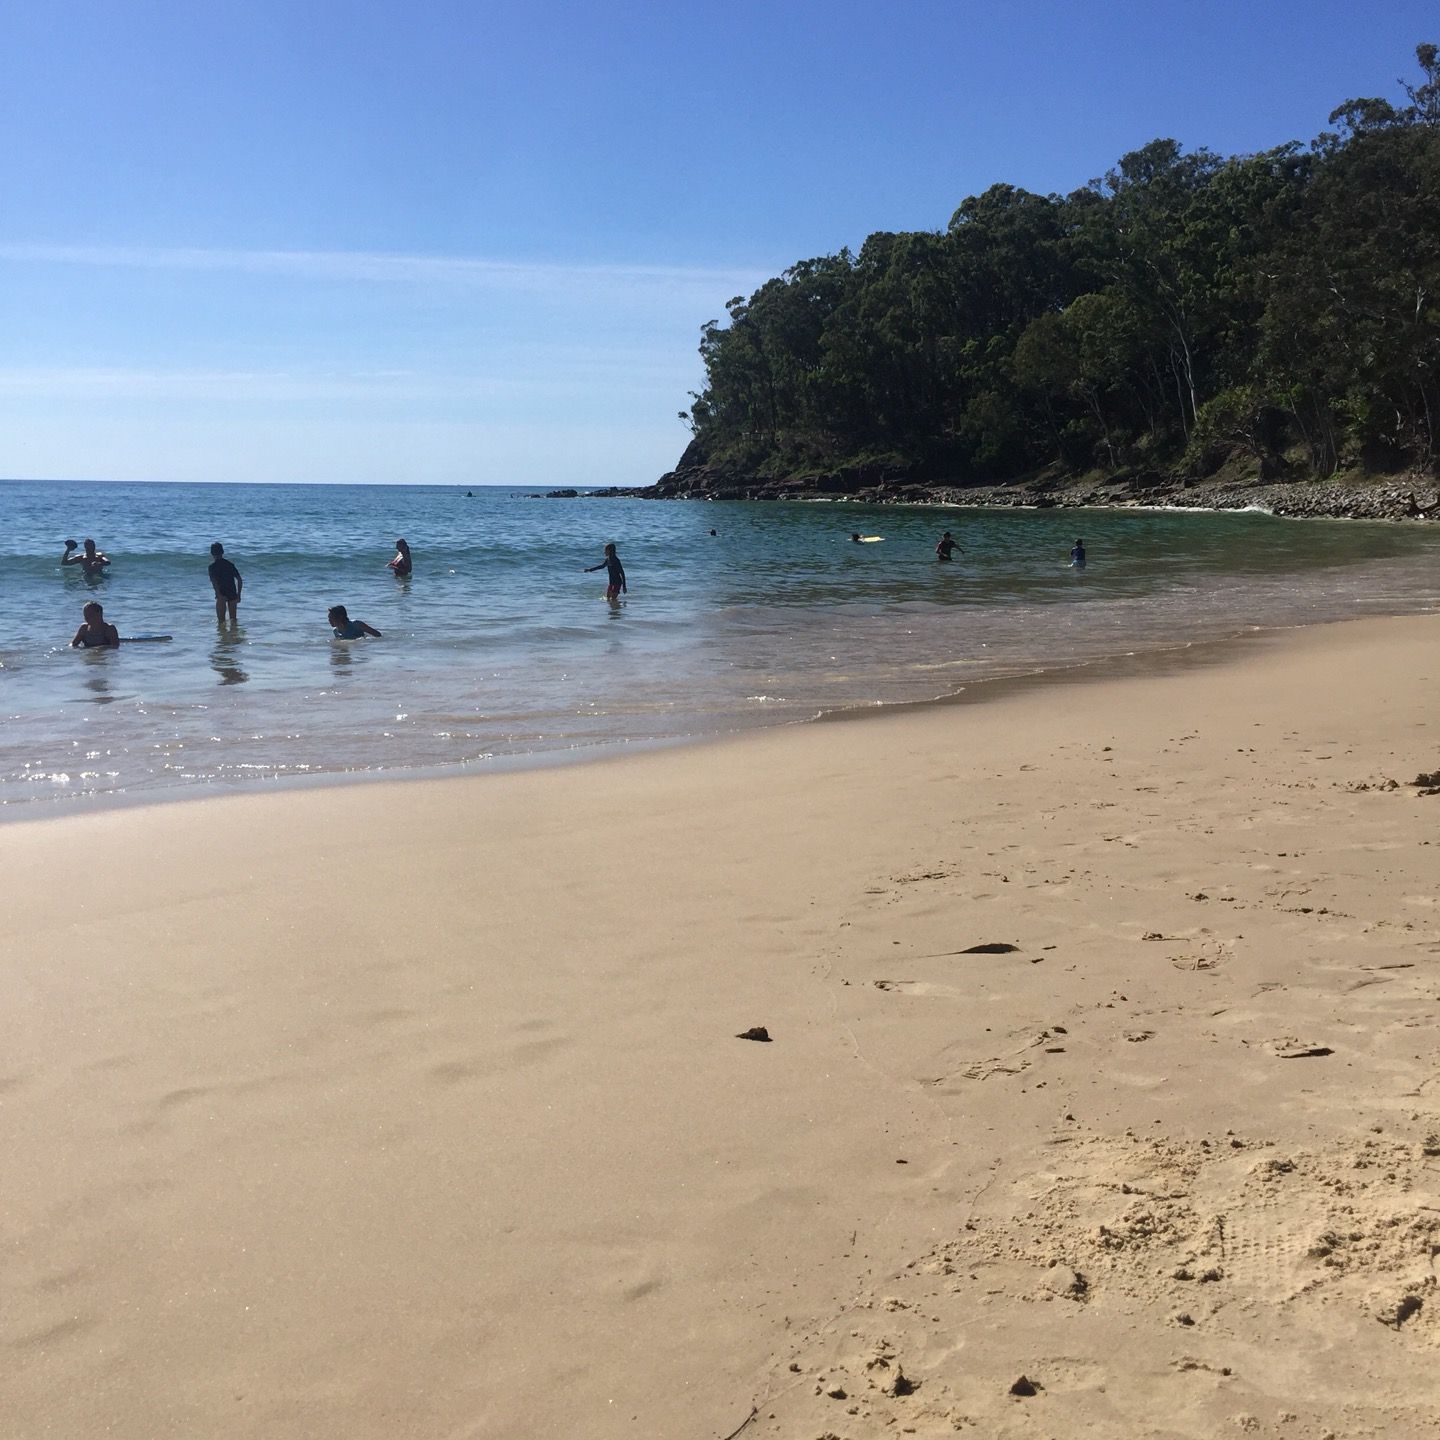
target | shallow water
[{"x": 501, "y": 648}]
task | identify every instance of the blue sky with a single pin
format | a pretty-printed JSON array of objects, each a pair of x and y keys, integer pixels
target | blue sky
[{"x": 474, "y": 243}]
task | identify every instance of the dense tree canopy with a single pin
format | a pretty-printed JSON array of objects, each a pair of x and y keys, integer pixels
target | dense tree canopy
[{"x": 1184, "y": 309}]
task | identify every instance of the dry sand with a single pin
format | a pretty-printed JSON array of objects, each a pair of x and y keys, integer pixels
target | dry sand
[{"x": 417, "y": 1110}]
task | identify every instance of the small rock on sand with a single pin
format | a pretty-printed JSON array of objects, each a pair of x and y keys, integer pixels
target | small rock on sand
[
  {"x": 903, "y": 1384},
  {"x": 1395, "y": 1317}
]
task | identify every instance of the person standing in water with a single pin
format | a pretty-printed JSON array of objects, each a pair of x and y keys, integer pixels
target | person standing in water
[
  {"x": 226, "y": 582},
  {"x": 91, "y": 560},
  {"x": 347, "y": 629},
  {"x": 1077, "y": 555},
  {"x": 96, "y": 632},
  {"x": 615, "y": 573},
  {"x": 401, "y": 564},
  {"x": 946, "y": 547}
]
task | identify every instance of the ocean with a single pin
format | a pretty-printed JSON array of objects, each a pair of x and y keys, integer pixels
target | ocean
[{"x": 500, "y": 651}]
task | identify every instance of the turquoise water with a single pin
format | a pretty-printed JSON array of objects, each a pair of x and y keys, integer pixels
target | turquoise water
[{"x": 500, "y": 649}]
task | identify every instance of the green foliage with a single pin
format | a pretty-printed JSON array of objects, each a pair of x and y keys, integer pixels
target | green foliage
[
  {"x": 1186, "y": 307},
  {"x": 1240, "y": 419}
]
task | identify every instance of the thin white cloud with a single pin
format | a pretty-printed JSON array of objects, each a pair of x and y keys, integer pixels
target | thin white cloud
[
  {"x": 96, "y": 382},
  {"x": 535, "y": 277},
  {"x": 569, "y": 372}
]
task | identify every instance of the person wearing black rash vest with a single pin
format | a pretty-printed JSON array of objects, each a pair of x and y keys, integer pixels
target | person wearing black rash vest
[
  {"x": 615, "y": 573},
  {"x": 226, "y": 582}
]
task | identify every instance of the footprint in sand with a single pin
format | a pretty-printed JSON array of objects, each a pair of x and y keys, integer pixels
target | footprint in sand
[
  {"x": 1195, "y": 962},
  {"x": 986, "y": 1069},
  {"x": 919, "y": 987},
  {"x": 1263, "y": 1246}
]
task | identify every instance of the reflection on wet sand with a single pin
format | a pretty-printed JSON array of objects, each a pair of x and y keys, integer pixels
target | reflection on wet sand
[
  {"x": 225, "y": 657},
  {"x": 345, "y": 655},
  {"x": 96, "y": 676}
]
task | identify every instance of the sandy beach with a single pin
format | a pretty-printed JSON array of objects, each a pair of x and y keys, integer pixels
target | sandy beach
[{"x": 417, "y": 1110}]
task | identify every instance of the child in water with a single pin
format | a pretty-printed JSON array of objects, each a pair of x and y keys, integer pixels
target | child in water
[
  {"x": 347, "y": 629},
  {"x": 946, "y": 547},
  {"x": 227, "y": 583},
  {"x": 96, "y": 631},
  {"x": 1077, "y": 555},
  {"x": 615, "y": 572},
  {"x": 401, "y": 564}
]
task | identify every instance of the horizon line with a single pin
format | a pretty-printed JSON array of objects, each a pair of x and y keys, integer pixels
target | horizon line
[{"x": 365, "y": 484}]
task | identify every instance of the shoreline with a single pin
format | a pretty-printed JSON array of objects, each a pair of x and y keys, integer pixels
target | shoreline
[
  {"x": 718, "y": 641},
  {"x": 419, "y": 1109},
  {"x": 1160, "y": 660},
  {"x": 1358, "y": 496}
]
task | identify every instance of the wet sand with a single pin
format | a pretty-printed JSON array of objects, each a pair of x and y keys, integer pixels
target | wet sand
[{"x": 418, "y": 1109}]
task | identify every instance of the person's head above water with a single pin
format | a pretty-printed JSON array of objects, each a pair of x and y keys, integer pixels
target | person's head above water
[
  {"x": 89, "y": 547},
  {"x": 217, "y": 549},
  {"x": 855, "y": 536},
  {"x": 1079, "y": 541},
  {"x": 403, "y": 546},
  {"x": 609, "y": 549},
  {"x": 338, "y": 615},
  {"x": 94, "y": 613}
]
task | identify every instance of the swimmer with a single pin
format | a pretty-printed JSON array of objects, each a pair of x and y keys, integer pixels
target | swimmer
[
  {"x": 1077, "y": 555},
  {"x": 91, "y": 560},
  {"x": 615, "y": 573},
  {"x": 401, "y": 564},
  {"x": 855, "y": 537},
  {"x": 95, "y": 633},
  {"x": 226, "y": 582},
  {"x": 347, "y": 629},
  {"x": 946, "y": 547}
]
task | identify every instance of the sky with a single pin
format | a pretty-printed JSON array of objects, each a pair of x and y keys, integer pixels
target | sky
[{"x": 474, "y": 241}]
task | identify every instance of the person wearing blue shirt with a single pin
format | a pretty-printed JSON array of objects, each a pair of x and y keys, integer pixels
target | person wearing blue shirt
[{"x": 347, "y": 629}]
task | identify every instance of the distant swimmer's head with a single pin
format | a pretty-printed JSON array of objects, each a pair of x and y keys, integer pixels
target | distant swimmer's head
[
  {"x": 403, "y": 546},
  {"x": 89, "y": 547},
  {"x": 855, "y": 536},
  {"x": 338, "y": 615},
  {"x": 94, "y": 613},
  {"x": 714, "y": 532},
  {"x": 217, "y": 549},
  {"x": 609, "y": 550},
  {"x": 1079, "y": 541}
]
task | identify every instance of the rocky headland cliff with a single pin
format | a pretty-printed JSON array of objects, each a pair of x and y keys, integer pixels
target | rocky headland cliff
[{"x": 1356, "y": 496}]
